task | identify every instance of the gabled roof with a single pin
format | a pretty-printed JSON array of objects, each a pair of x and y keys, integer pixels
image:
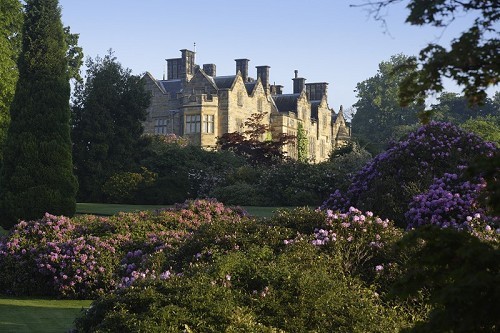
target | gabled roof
[
  {"x": 171, "y": 86},
  {"x": 286, "y": 102},
  {"x": 201, "y": 75}
]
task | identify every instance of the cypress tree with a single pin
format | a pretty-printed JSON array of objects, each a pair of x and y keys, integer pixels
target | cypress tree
[{"x": 37, "y": 174}]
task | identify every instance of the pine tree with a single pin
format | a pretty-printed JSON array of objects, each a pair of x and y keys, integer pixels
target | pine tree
[{"x": 37, "y": 174}]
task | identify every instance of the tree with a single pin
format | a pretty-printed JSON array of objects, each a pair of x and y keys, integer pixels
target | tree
[
  {"x": 379, "y": 117},
  {"x": 11, "y": 20},
  {"x": 488, "y": 128},
  {"x": 249, "y": 145},
  {"x": 453, "y": 108},
  {"x": 472, "y": 60},
  {"x": 37, "y": 174},
  {"x": 108, "y": 110}
]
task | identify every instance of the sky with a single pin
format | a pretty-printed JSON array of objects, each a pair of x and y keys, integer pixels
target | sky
[{"x": 325, "y": 40}]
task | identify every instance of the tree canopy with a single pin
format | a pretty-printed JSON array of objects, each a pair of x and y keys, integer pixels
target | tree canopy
[
  {"x": 11, "y": 20},
  {"x": 37, "y": 173},
  {"x": 108, "y": 110},
  {"x": 472, "y": 60},
  {"x": 379, "y": 117}
]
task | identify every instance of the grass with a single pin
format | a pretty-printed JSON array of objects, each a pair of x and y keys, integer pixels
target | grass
[
  {"x": 22, "y": 315},
  {"x": 112, "y": 209}
]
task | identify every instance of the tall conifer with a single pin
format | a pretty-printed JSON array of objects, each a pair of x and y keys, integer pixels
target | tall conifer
[{"x": 37, "y": 174}]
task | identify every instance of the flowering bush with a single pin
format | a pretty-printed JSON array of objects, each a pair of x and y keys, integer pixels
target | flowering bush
[
  {"x": 47, "y": 256},
  {"x": 452, "y": 201},
  {"x": 358, "y": 242},
  {"x": 387, "y": 184},
  {"x": 88, "y": 256}
]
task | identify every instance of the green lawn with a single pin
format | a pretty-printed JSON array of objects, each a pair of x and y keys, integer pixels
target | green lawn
[{"x": 21, "y": 315}]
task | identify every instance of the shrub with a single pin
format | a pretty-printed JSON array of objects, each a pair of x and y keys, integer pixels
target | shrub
[
  {"x": 360, "y": 244},
  {"x": 87, "y": 256},
  {"x": 123, "y": 187},
  {"x": 47, "y": 257},
  {"x": 388, "y": 183},
  {"x": 458, "y": 273},
  {"x": 239, "y": 194},
  {"x": 296, "y": 290}
]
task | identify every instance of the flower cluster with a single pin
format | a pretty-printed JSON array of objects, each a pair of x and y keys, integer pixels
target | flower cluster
[
  {"x": 389, "y": 182},
  {"x": 447, "y": 203}
]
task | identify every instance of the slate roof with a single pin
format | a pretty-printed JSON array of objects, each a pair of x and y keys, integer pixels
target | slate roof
[
  {"x": 314, "y": 109},
  {"x": 286, "y": 102},
  {"x": 224, "y": 82},
  {"x": 171, "y": 86},
  {"x": 250, "y": 86}
]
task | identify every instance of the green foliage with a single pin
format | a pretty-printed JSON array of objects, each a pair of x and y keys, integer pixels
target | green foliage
[
  {"x": 379, "y": 117},
  {"x": 74, "y": 54},
  {"x": 488, "y": 128},
  {"x": 108, "y": 110},
  {"x": 472, "y": 59},
  {"x": 184, "y": 171},
  {"x": 461, "y": 276},
  {"x": 37, "y": 174},
  {"x": 122, "y": 187},
  {"x": 239, "y": 193},
  {"x": 453, "y": 108},
  {"x": 11, "y": 20},
  {"x": 293, "y": 291},
  {"x": 302, "y": 144}
]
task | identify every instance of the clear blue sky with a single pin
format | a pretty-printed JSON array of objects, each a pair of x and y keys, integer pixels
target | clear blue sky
[{"x": 325, "y": 40}]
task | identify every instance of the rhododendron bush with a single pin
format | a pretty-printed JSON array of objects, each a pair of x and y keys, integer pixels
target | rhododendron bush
[
  {"x": 88, "y": 255},
  {"x": 388, "y": 183}
]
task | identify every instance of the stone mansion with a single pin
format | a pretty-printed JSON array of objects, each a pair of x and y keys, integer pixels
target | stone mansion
[{"x": 195, "y": 103}]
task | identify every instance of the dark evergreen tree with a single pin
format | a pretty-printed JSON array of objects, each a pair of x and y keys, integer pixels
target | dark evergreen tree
[
  {"x": 108, "y": 110},
  {"x": 37, "y": 174}
]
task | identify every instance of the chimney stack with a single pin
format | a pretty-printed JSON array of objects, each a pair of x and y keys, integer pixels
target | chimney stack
[
  {"x": 263, "y": 73},
  {"x": 298, "y": 83},
  {"x": 209, "y": 69},
  {"x": 242, "y": 66},
  {"x": 316, "y": 91}
]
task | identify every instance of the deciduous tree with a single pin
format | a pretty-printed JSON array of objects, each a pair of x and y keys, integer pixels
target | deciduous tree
[
  {"x": 37, "y": 174},
  {"x": 379, "y": 117},
  {"x": 11, "y": 20},
  {"x": 472, "y": 60},
  {"x": 250, "y": 144}
]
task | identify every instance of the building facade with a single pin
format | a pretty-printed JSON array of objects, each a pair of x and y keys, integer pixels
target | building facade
[{"x": 194, "y": 102}]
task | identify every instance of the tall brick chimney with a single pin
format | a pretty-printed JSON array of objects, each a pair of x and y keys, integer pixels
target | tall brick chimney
[{"x": 242, "y": 66}]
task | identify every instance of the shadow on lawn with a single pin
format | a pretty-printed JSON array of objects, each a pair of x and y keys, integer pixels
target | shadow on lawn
[{"x": 37, "y": 318}]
